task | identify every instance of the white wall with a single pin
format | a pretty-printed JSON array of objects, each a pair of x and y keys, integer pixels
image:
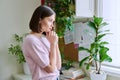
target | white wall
[{"x": 14, "y": 18}]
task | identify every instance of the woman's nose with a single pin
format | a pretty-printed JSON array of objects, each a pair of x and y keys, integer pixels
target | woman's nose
[{"x": 52, "y": 25}]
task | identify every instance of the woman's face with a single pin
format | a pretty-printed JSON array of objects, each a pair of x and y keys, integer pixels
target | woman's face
[{"x": 47, "y": 23}]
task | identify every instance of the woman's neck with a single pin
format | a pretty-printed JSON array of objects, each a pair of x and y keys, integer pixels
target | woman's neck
[{"x": 36, "y": 34}]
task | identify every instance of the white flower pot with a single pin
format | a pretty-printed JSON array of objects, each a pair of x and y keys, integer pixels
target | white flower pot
[
  {"x": 95, "y": 76},
  {"x": 26, "y": 69}
]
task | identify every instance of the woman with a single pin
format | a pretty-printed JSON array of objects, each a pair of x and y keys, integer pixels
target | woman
[{"x": 40, "y": 47}]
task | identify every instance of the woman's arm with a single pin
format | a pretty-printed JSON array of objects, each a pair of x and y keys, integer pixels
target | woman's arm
[
  {"x": 58, "y": 58},
  {"x": 51, "y": 67},
  {"x": 53, "y": 39}
]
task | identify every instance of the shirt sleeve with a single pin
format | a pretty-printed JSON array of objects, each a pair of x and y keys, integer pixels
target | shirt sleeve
[{"x": 38, "y": 53}]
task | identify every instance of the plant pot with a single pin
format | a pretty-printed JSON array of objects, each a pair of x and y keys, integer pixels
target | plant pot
[
  {"x": 95, "y": 76},
  {"x": 26, "y": 69}
]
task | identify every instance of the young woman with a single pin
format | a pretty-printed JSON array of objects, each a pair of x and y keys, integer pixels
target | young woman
[{"x": 40, "y": 47}]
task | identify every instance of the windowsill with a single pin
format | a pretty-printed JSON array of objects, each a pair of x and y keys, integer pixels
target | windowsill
[{"x": 111, "y": 71}]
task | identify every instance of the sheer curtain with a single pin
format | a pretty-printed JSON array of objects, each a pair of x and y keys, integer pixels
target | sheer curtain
[{"x": 111, "y": 14}]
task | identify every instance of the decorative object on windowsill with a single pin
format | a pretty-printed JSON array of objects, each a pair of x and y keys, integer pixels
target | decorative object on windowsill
[
  {"x": 15, "y": 49},
  {"x": 97, "y": 50}
]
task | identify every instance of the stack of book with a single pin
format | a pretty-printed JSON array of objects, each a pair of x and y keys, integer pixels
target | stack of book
[{"x": 73, "y": 74}]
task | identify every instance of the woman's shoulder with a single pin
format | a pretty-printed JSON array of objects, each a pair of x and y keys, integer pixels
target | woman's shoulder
[{"x": 31, "y": 38}]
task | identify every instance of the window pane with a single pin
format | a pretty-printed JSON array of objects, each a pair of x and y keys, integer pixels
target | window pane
[{"x": 111, "y": 14}]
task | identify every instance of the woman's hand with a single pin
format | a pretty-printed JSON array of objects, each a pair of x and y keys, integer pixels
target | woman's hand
[{"x": 52, "y": 37}]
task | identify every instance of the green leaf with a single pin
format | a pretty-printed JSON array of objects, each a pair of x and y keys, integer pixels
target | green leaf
[
  {"x": 97, "y": 20},
  {"x": 103, "y": 50},
  {"x": 92, "y": 25},
  {"x": 109, "y": 59},
  {"x": 105, "y": 57},
  {"x": 83, "y": 49},
  {"x": 103, "y": 54},
  {"x": 103, "y": 43},
  {"x": 18, "y": 38},
  {"x": 92, "y": 46},
  {"x": 100, "y": 36},
  {"x": 103, "y": 31},
  {"x": 103, "y": 24},
  {"x": 83, "y": 60}
]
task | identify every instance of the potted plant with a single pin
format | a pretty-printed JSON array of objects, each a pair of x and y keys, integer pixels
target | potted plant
[
  {"x": 97, "y": 50},
  {"x": 15, "y": 49}
]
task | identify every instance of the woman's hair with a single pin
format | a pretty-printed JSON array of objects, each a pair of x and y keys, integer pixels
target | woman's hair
[{"x": 40, "y": 13}]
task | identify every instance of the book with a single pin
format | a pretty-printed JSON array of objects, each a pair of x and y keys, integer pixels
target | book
[{"x": 73, "y": 73}]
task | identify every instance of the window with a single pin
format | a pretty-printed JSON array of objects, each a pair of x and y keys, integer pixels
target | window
[{"x": 111, "y": 14}]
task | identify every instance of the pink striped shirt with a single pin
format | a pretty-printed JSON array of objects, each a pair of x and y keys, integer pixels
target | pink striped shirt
[{"x": 36, "y": 52}]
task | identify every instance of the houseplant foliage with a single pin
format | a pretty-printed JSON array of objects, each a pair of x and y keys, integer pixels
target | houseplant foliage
[
  {"x": 66, "y": 64},
  {"x": 15, "y": 48},
  {"x": 97, "y": 50},
  {"x": 64, "y": 18},
  {"x": 64, "y": 14}
]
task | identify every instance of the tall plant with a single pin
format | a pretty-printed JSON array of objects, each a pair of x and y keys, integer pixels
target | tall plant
[{"x": 97, "y": 51}]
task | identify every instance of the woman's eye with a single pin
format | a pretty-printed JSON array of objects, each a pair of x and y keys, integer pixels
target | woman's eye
[{"x": 50, "y": 20}]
